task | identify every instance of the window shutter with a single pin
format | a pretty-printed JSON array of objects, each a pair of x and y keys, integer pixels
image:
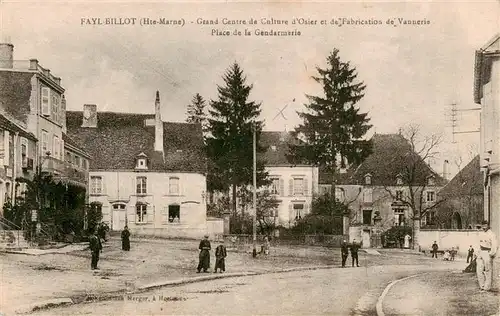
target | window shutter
[
  {"x": 164, "y": 215},
  {"x": 282, "y": 187},
  {"x": 291, "y": 215},
  {"x": 290, "y": 187},
  {"x": 306, "y": 209},
  {"x": 2, "y": 149},
  {"x": 306, "y": 187},
  {"x": 150, "y": 211},
  {"x": 6, "y": 148},
  {"x": 45, "y": 101}
]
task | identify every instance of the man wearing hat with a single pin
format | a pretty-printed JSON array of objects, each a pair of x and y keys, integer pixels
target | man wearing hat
[
  {"x": 487, "y": 250},
  {"x": 204, "y": 258},
  {"x": 344, "y": 251}
]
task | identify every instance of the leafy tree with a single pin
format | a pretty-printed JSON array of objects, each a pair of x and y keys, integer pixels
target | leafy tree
[
  {"x": 416, "y": 176},
  {"x": 196, "y": 111},
  {"x": 267, "y": 204},
  {"x": 230, "y": 127},
  {"x": 333, "y": 128},
  {"x": 325, "y": 217},
  {"x": 395, "y": 235}
]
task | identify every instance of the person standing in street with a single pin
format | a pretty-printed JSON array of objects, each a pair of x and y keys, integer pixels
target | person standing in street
[
  {"x": 126, "y": 239},
  {"x": 220, "y": 257},
  {"x": 95, "y": 248},
  {"x": 204, "y": 258},
  {"x": 435, "y": 248},
  {"x": 488, "y": 245},
  {"x": 470, "y": 253},
  {"x": 354, "y": 252},
  {"x": 344, "y": 251}
]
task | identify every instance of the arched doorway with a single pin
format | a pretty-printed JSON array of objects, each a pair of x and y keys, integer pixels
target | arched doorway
[{"x": 456, "y": 221}]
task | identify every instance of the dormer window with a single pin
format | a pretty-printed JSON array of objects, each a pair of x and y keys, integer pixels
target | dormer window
[
  {"x": 273, "y": 148},
  {"x": 430, "y": 180},
  {"x": 141, "y": 161},
  {"x": 368, "y": 179},
  {"x": 399, "y": 180}
]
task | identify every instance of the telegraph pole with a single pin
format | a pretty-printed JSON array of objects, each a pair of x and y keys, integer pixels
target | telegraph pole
[{"x": 254, "y": 252}]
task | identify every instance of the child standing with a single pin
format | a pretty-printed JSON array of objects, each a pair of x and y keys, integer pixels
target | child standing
[{"x": 220, "y": 256}]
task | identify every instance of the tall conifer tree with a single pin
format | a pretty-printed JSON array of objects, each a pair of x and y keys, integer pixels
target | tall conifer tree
[
  {"x": 231, "y": 121},
  {"x": 333, "y": 128}
]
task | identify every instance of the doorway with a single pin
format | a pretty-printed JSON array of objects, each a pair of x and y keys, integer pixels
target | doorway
[
  {"x": 118, "y": 220},
  {"x": 366, "y": 238}
]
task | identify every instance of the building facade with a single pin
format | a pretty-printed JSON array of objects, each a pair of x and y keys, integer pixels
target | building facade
[
  {"x": 377, "y": 190},
  {"x": 147, "y": 174},
  {"x": 293, "y": 185},
  {"x": 487, "y": 94},
  {"x": 33, "y": 97}
]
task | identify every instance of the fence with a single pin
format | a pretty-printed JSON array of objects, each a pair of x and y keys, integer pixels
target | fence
[{"x": 310, "y": 240}]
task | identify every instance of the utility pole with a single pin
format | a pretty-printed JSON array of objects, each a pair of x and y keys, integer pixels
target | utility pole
[{"x": 254, "y": 252}]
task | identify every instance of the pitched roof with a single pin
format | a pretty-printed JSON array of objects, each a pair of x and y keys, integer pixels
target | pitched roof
[
  {"x": 466, "y": 182},
  {"x": 391, "y": 153},
  {"x": 276, "y": 144},
  {"x": 15, "y": 92},
  {"x": 119, "y": 137},
  {"x": 79, "y": 147},
  {"x": 7, "y": 124}
]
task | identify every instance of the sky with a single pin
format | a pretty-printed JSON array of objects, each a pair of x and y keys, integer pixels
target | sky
[{"x": 413, "y": 73}]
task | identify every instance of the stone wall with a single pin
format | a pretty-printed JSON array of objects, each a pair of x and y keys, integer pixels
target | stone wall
[{"x": 448, "y": 238}]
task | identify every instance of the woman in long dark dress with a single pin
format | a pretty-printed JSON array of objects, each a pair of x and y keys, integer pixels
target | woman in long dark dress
[
  {"x": 204, "y": 262},
  {"x": 126, "y": 239}
]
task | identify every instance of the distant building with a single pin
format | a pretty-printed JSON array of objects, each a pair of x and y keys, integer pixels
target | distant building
[
  {"x": 146, "y": 173},
  {"x": 33, "y": 100},
  {"x": 374, "y": 189},
  {"x": 293, "y": 185},
  {"x": 463, "y": 200}
]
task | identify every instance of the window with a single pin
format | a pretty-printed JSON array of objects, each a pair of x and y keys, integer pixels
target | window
[
  {"x": 367, "y": 217},
  {"x": 24, "y": 154},
  {"x": 119, "y": 206},
  {"x": 399, "y": 180},
  {"x": 430, "y": 196},
  {"x": 141, "y": 185},
  {"x": 77, "y": 161},
  {"x": 141, "y": 163},
  {"x": 174, "y": 213},
  {"x": 173, "y": 185},
  {"x": 368, "y": 195},
  {"x": 45, "y": 142},
  {"x": 56, "y": 146},
  {"x": 96, "y": 185},
  {"x": 299, "y": 211},
  {"x": 55, "y": 106},
  {"x": 45, "y": 101},
  {"x": 399, "y": 216},
  {"x": 298, "y": 186},
  {"x": 275, "y": 186},
  {"x": 68, "y": 157},
  {"x": 141, "y": 213},
  {"x": 368, "y": 179},
  {"x": 429, "y": 218},
  {"x": 399, "y": 195},
  {"x": 430, "y": 181}
]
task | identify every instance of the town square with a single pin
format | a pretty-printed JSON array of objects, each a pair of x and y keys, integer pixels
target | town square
[{"x": 178, "y": 158}]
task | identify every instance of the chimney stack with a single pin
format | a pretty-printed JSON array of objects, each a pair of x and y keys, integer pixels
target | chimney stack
[
  {"x": 89, "y": 115},
  {"x": 158, "y": 125},
  {"x": 6, "y": 55},
  {"x": 445, "y": 169}
]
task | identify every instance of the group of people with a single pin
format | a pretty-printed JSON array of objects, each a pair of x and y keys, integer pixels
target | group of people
[
  {"x": 204, "y": 257},
  {"x": 344, "y": 250},
  {"x": 97, "y": 236}
]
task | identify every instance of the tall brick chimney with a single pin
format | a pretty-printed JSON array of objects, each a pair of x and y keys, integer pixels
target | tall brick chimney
[
  {"x": 89, "y": 115},
  {"x": 6, "y": 55},
  {"x": 158, "y": 125}
]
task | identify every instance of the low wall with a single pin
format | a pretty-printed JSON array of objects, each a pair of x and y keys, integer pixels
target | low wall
[
  {"x": 448, "y": 238},
  {"x": 311, "y": 240},
  {"x": 214, "y": 228}
]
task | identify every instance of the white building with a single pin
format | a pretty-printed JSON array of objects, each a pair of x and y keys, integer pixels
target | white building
[
  {"x": 293, "y": 185},
  {"x": 146, "y": 173}
]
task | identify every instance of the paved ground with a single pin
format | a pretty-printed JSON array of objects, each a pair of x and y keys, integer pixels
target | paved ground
[
  {"x": 319, "y": 292},
  {"x": 29, "y": 279}
]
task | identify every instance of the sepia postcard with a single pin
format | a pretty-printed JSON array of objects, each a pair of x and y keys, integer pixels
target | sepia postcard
[{"x": 249, "y": 157}]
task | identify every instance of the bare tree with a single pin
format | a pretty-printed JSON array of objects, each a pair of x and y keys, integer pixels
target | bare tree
[{"x": 415, "y": 175}]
